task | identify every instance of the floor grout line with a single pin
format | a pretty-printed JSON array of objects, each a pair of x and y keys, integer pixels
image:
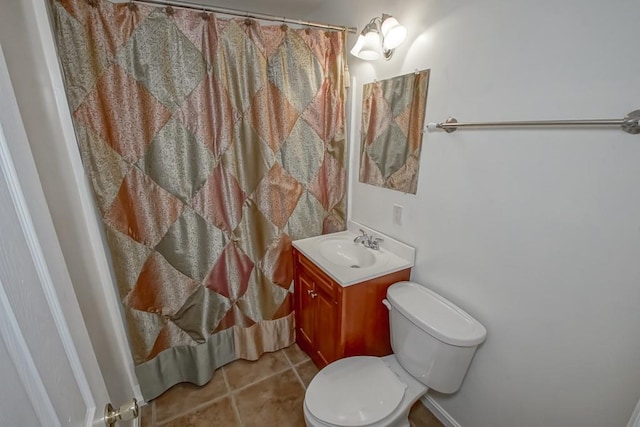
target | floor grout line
[
  {"x": 230, "y": 393},
  {"x": 295, "y": 371},
  {"x": 233, "y": 399},
  {"x": 194, "y": 409},
  {"x": 260, "y": 380},
  {"x": 287, "y": 357}
]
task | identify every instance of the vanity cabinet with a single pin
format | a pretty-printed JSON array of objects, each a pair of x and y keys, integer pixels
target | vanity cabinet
[{"x": 333, "y": 321}]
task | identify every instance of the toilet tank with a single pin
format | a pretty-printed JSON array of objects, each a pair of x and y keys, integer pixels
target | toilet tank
[{"x": 432, "y": 338}]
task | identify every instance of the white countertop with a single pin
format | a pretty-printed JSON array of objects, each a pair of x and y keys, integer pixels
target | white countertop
[{"x": 393, "y": 256}]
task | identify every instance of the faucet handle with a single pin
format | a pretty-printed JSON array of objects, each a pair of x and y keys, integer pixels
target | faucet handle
[
  {"x": 362, "y": 238},
  {"x": 374, "y": 242}
]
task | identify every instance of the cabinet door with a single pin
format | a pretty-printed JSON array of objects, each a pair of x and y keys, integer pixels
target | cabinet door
[
  {"x": 325, "y": 327},
  {"x": 306, "y": 308}
]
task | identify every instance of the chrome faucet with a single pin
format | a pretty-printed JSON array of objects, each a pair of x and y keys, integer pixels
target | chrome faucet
[
  {"x": 368, "y": 241},
  {"x": 362, "y": 237}
]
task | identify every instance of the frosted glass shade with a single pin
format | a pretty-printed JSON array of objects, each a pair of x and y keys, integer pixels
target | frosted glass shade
[
  {"x": 393, "y": 33},
  {"x": 355, "y": 50},
  {"x": 370, "y": 49}
]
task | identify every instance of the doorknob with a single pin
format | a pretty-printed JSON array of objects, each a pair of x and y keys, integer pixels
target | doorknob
[{"x": 125, "y": 412}]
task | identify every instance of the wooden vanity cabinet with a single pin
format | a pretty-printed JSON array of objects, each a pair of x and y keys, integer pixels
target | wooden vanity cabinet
[{"x": 333, "y": 321}]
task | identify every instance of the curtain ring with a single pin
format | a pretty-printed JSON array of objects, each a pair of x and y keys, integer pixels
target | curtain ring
[
  {"x": 132, "y": 6},
  {"x": 284, "y": 27},
  {"x": 204, "y": 15},
  {"x": 248, "y": 22},
  {"x": 169, "y": 11},
  {"x": 92, "y": 3}
]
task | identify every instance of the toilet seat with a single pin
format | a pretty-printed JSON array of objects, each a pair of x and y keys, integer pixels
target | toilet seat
[{"x": 356, "y": 391}]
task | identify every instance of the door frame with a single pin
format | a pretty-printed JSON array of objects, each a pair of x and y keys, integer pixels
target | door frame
[
  {"x": 10, "y": 330},
  {"x": 104, "y": 275},
  {"x": 54, "y": 287}
]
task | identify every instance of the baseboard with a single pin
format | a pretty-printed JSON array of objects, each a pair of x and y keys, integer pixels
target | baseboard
[{"x": 437, "y": 410}]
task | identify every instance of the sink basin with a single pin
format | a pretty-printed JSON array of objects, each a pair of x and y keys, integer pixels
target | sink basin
[
  {"x": 349, "y": 263},
  {"x": 345, "y": 253}
]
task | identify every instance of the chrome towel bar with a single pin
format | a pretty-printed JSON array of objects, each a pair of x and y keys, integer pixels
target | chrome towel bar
[{"x": 630, "y": 124}]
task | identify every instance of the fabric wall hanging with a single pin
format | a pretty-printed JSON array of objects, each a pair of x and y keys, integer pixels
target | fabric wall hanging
[{"x": 393, "y": 113}]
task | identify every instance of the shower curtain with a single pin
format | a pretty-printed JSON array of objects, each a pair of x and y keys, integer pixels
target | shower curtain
[{"x": 210, "y": 145}]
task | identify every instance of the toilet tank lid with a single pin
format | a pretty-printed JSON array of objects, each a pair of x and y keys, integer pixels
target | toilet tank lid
[{"x": 436, "y": 315}]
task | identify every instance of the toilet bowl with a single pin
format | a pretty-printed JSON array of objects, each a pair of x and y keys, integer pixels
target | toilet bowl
[
  {"x": 433, "y": 342},
  {"x": 362, "y": 391}
]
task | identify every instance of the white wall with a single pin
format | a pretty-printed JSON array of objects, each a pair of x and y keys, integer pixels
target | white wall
[
  {"x": 35, "y": 77},
  {"x": 534, "y": 232}
]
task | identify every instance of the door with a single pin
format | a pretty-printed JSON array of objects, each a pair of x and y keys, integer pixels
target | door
[{"x": 49, "y": 375}]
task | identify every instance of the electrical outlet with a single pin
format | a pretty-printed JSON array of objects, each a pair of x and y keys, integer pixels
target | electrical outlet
[{"x": 397, "y": 214}]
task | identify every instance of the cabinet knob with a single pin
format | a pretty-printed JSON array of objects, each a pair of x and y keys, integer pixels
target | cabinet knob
[{"x": 313, "y": 294}]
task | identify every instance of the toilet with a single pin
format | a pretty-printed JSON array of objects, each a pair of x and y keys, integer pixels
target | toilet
[{"x": 433, "y": 342}]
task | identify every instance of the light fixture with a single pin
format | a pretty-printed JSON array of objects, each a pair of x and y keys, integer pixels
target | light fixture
[{"x": 379, "y": 38}]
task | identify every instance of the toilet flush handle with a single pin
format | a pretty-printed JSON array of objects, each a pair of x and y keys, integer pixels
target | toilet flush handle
[{"x": 387, "y": 304}]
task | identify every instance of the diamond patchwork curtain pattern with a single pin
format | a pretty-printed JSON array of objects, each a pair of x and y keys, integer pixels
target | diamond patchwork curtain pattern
[
  {"x": 393, "y": 113},
  {"x": 210, "y": 144}
]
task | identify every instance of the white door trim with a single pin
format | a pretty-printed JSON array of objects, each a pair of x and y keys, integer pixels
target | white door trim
[
  {"x": 49, "y": 290},
  {"x": 22, "y": 360},
  {"x": 104, "y": 276}
]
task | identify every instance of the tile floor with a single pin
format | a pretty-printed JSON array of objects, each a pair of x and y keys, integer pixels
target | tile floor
[{"x": 267, "y": 393}]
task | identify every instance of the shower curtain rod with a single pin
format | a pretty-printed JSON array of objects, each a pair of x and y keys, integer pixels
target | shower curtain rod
[
  {"x": 246, "y": 14},
  {"x": 630, "y": 124}
]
